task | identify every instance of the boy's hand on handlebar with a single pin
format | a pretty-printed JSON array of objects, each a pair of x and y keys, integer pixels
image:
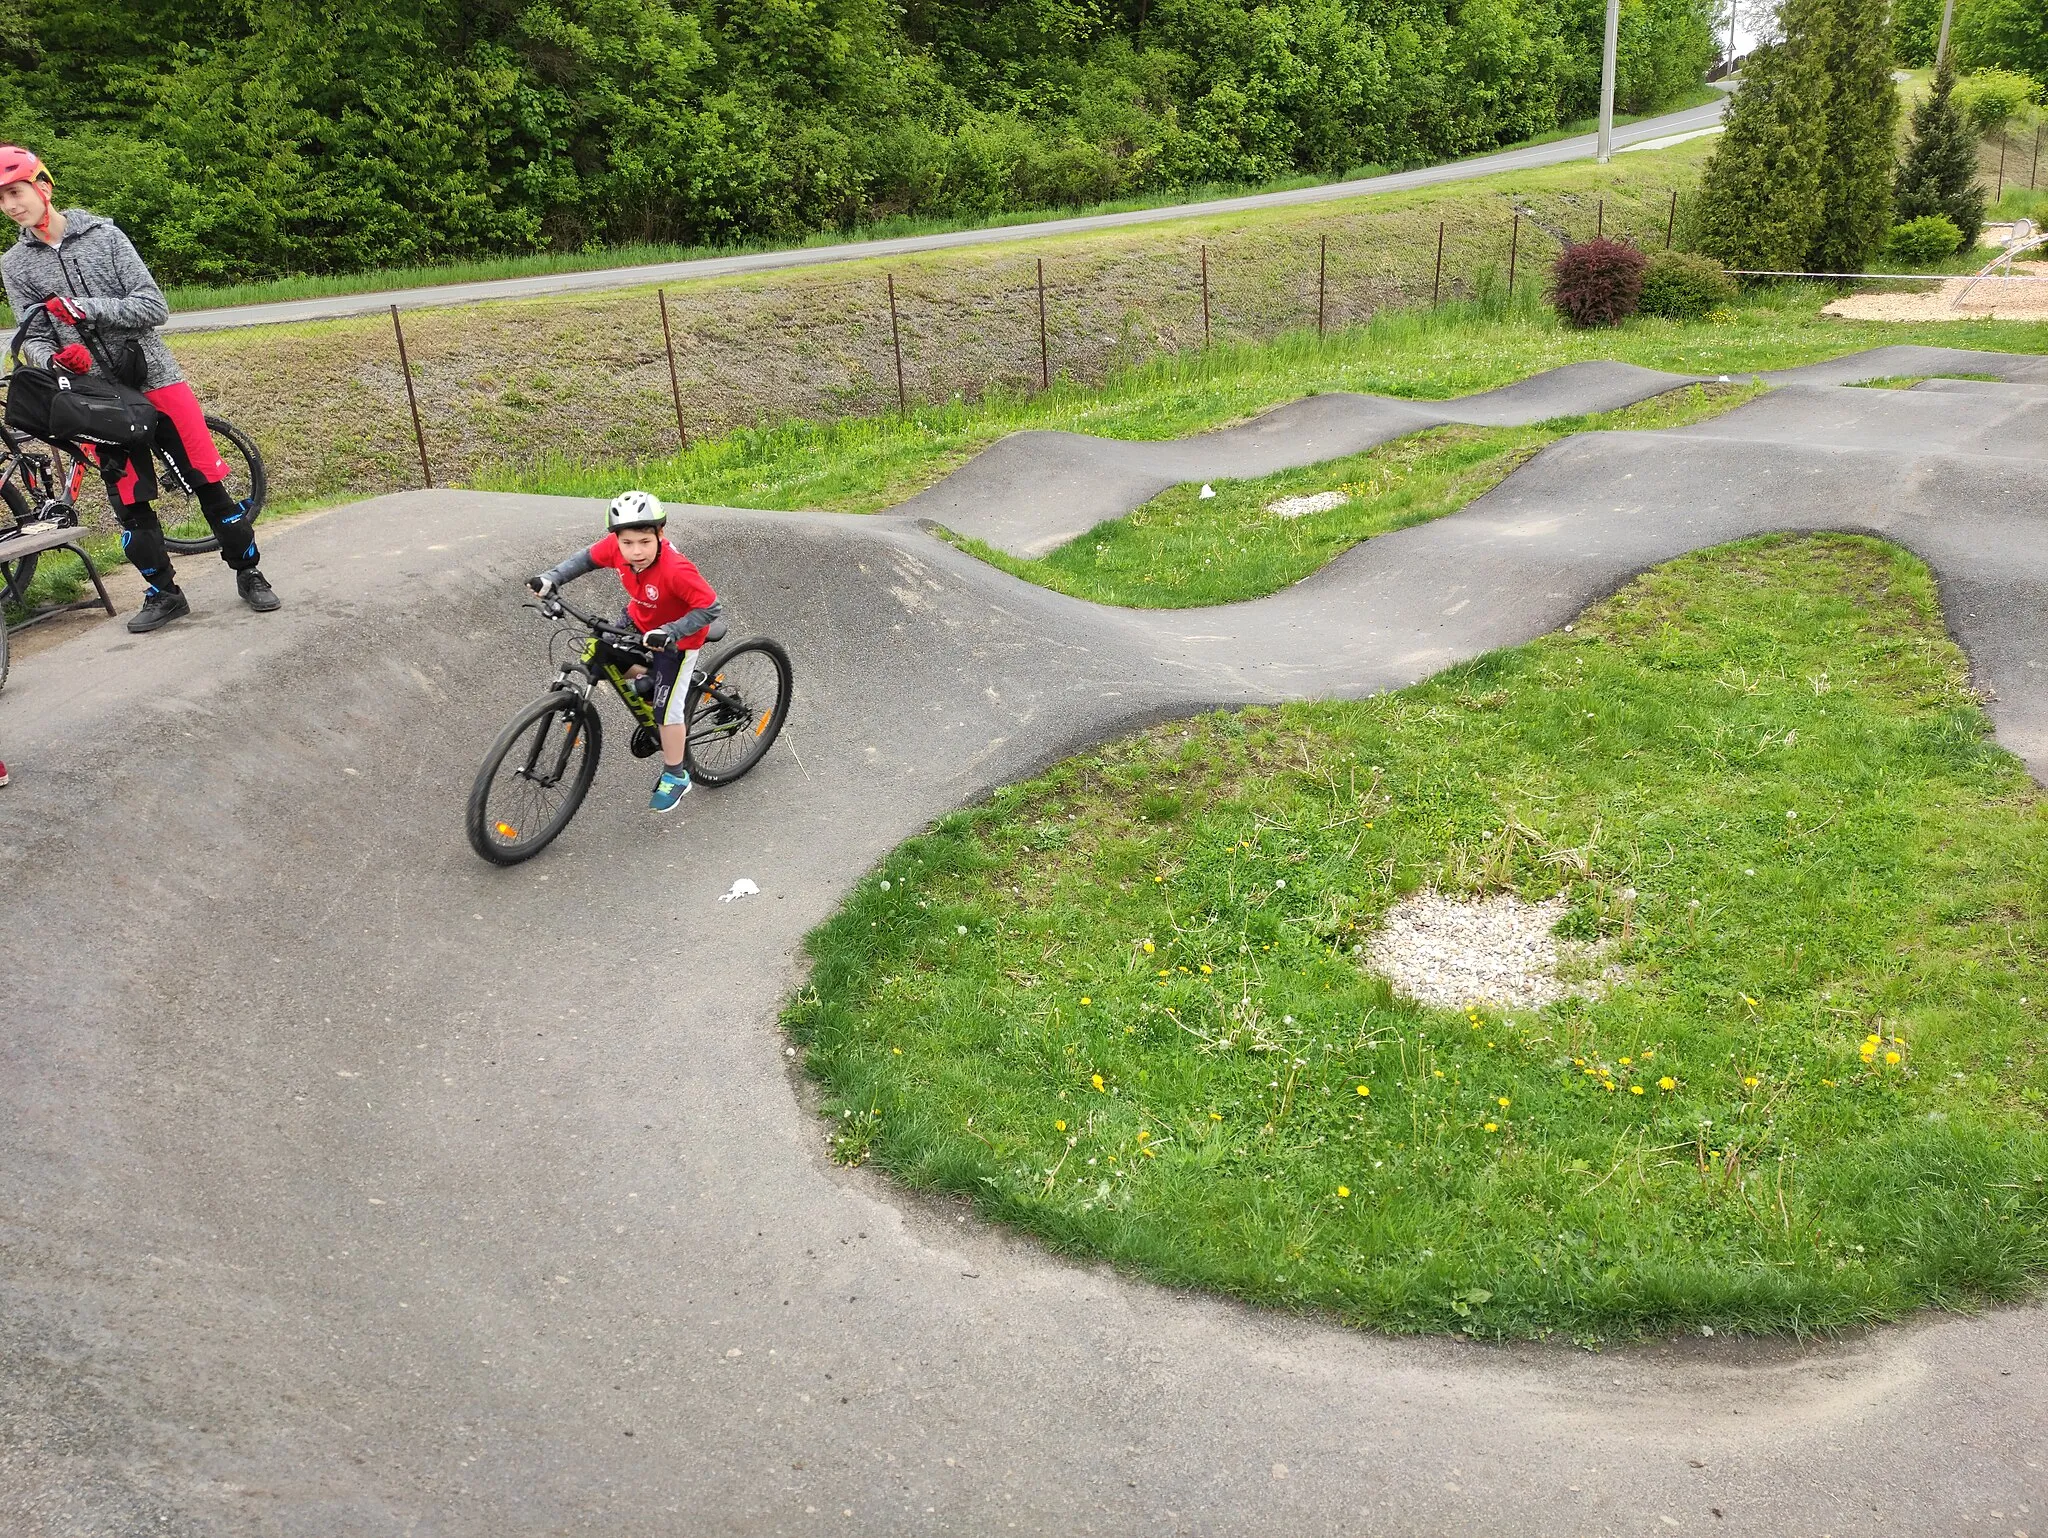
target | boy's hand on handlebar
[
  {"x": 542, "y": 584},
  {"x": 75, "y": 359},
  {"x": 658, "y": 640},
  {"x": 64, "y": 310}
]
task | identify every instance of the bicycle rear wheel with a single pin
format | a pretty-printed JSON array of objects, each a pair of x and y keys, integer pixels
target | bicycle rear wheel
[
  {"x": 15, "y": 576},
  {"x": 534, "y": 777},
  {"x": 738, "y": 713},
  {"x": 186, "y": 531}
]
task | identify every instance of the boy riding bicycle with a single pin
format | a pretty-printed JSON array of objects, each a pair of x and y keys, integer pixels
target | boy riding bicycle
[{"x": 668, "y": 601}]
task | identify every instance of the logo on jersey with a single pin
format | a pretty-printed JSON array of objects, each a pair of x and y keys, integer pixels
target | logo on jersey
[{"x": 653, "y": 591}]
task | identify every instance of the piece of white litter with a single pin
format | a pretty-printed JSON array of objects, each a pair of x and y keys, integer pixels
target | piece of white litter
[
  {"x": 741, "y": 888},
  {"x": 1205, "y": 493},
  {"x": 1301, "y": 507}
]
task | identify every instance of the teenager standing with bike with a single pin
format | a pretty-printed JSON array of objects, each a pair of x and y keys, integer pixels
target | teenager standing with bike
[{"x": 74, "y": 269}]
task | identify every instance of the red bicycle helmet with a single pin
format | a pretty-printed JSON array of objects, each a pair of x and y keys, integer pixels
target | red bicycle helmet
[{"x": 20, "y": 165}]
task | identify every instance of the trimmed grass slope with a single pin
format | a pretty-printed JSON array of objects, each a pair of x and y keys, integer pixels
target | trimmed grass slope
[{"x": 1120, "y": 1005}]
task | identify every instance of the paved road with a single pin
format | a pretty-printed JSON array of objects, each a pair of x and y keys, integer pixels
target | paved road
[
  {"x": 348, "y": 1186},
  {"x": 1554, "y": 153}
]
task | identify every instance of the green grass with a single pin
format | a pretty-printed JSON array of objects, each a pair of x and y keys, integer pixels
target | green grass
[
  {"x": 867, "y": 464},
  {"x": 1182, "y": 550},
  {"x": 1119, "y": 1005}
]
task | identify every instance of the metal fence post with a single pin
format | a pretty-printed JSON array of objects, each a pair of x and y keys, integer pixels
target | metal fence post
[
  {"x": 1205, "y": 293},
  {"x": 896, "y": 345},
  {"x": 1671, "y": 219},
  {"x": 1514, "y": 250},
  {"x": 1044, "y": 355},
  {"x": 1600, "y": 221},
  {"x": 1322, "y": 282},
  {"x": 675, "y": 388},
  {"x": 2037, "y": 151},
  {"x": 419, "y": 434},
  {"x": 1436, "y": 284}
]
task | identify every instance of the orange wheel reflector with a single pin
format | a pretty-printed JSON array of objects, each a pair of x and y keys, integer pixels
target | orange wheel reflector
[
  {"x": 761, "y": 725},
  {"x": 506, "y": 830}
]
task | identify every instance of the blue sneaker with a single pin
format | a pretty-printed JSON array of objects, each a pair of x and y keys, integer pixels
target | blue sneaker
[{"x": 673, "y": 785}]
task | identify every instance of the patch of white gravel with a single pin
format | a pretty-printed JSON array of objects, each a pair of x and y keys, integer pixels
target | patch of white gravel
[
  {"x": 1301, "y": 507},
  {"x": 1493, "y": 950}
]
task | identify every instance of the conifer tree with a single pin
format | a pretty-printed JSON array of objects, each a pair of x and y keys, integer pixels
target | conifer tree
[
  {"x": 1863, "y": 128},
  {"x": 1939, "y": 175},
  {"x": 1759, "y": 203}
]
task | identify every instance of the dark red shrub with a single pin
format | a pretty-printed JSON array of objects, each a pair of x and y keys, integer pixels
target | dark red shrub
[{"x": 1597, "y": 282}]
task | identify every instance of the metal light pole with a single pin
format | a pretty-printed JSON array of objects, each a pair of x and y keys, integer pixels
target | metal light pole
[
  {"x": 1948, "y": 14},
  {"x": 1606, "y": 146}
]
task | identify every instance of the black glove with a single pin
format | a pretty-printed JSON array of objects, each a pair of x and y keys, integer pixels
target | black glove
[
  {"x": 660, "y": 640},
  {"x": 542, "y": 584}
]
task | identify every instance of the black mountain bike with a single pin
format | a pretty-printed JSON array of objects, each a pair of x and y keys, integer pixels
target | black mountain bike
[
  {"x": 537, "y": 772},
  {"x": 41, "y": 482}
]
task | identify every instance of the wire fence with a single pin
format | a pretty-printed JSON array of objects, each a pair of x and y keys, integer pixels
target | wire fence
[{"x": 437, "y": 397}]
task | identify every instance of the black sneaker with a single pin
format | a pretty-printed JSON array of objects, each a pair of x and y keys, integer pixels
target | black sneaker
[
  {"x": 159, "y": 607},
  {"x": 255, "y": 591}
]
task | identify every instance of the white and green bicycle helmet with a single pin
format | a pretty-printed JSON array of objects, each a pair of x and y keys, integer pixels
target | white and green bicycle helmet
[{"x": 635, "y": 510}]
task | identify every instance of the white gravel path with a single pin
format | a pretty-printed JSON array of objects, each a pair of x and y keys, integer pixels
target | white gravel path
[{"x": 1454, "y": 952}]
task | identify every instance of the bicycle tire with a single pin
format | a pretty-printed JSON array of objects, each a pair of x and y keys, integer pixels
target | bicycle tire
[
  {"x": 741, "y": 705},
  {"x": 3, "y": 651},
  {"x": 248, "y": 483},
  {"x": 488, "y": 827},
  {"x": 15, "y": 576}
]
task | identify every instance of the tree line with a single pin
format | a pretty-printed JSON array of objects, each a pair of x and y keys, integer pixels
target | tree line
[{"x": 240, "y": 139}]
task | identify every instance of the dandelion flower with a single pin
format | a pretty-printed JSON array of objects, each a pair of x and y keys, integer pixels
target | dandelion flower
[
  {"x": 1635, "y": 1089},
  {"x": 1148, "y": 1153},
  {"x": 1365, "y": 1089},
  {"x": 1096, "y": 1080},
  {"x": 1059, "y": 1126},
  {"x": 1148, "y": 947},
  {"x": 1625, "y": 1062},
  {"x": 959, "y": 929},
  {"x": 1503, "y": 1102},
  {"x": 1086, "y": 1000},
  {"x": 1343, "y": 1190},
  {"x": 1492, "y": 1127},
  {"x": 1749, "y": 1082},
  {"x": 1215, "y": 1116},
  {"x": 1144, "y": 1137},
  {"x": 1667, "y": 1083},
  {"x": 898, "y": 1051},
  {"x": 1891, "y": 1057},
  {"x": 1207, "y": 969}
]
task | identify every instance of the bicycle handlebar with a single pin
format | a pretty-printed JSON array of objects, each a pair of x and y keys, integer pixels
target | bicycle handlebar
[{"x": 554, "y": 606}]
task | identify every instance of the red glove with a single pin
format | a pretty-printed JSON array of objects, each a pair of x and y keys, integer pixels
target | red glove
[
  {"x": 64, "y": 310},
  {"x": 75, "y": 359}
]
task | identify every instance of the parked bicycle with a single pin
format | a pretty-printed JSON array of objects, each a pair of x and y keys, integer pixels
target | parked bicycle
[
  {"x": 536, "y": 774},
  {"x": 41, "y": 482}
]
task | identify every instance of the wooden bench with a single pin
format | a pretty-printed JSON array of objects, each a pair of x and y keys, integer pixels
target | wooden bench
[{"x": 35, "y": 539}]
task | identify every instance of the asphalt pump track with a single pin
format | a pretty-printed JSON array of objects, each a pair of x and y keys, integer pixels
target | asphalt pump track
[{"x": 351, "y": 1186}]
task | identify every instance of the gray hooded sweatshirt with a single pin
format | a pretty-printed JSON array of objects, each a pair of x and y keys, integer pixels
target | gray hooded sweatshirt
[{"x": 95, "y": 267}]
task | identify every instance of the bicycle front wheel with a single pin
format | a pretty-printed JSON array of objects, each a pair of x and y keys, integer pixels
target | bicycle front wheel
[
  {"x": 534, "y": 777},
  {"x": 186, "y": 531},
  {"x": 737, "y": 714}
]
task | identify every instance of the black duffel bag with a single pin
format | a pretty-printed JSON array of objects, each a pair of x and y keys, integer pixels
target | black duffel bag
[{"x": 49, "y": 403}]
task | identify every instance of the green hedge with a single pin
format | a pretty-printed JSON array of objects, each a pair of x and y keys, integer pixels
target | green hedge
[{"x": 240, "y": 141}]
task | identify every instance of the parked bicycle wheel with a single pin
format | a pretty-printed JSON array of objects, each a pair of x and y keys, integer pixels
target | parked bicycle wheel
[
  {"x": 738, "y": 713},
  {"x": 534, "y": 777},
  {"x": 15, "y": 576},
  {"x": 186, "y": 531}
]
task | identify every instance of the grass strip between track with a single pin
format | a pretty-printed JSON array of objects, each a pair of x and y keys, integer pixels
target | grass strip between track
[
  {"x": 1119, "y": 1005},
  {"x": 1183, "y": 550}
]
